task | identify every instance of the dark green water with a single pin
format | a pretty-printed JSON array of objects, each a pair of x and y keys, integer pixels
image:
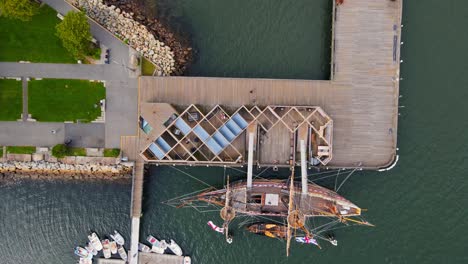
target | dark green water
[
  {"x": 419, "y": 207},
  {"x": 254, "y": 38}
]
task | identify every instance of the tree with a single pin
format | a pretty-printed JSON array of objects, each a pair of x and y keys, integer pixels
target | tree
[
  {"x": 20, "y": 9},
  {"x": 74, "y": 31}
]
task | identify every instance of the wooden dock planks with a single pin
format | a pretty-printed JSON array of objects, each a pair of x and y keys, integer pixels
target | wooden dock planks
[{"x": 362, "y": 98}]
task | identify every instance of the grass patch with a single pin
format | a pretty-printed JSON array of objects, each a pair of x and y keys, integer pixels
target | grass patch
[
  {"x": 58, "y": 100},
  {"x": 1, "y": 152},
  {"x": 111, "y": 153},
  {"x": 77, "y": 152},
  {"x": 33, "y": 40},
  {"x": 147, "y": 68},
  {"x": 61, "y": 150},
  {"x": 10, "y": 100},
  {"x": 21, "y": 150}
]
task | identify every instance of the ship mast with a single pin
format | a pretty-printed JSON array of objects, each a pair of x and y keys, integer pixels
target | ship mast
[
  {"x": 227, "y": 213},
  {"x": 290, "y": 206}
]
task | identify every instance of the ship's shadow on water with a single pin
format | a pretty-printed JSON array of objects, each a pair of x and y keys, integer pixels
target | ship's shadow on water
[{"x": 165, "y": 185}]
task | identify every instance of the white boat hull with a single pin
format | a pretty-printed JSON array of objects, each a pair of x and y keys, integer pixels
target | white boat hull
[{"x": 175, "y": 248}]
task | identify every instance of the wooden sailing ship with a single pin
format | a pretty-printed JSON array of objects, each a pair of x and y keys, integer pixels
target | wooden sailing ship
[
  {"x": 271, "y": 198},
  {"x": 292, "y": 201}
]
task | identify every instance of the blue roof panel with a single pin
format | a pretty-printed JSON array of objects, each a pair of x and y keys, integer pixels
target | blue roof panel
[{"x": 156, "y": 151}]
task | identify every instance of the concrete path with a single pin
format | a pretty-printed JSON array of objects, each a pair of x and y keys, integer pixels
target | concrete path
[
  {"x": 40, "y": 134},
  {"x": 121, "y": 113},
  {"x": 85, "y": 135},
  {"x": 24, "y": 82},
  {"x": 31, "y": 133},
  {"x": 64, "y": 71}
]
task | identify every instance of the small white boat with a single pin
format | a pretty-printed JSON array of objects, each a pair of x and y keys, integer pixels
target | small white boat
[
  {"x": 157, "y": 246},
  {"x": 143, "y": 248},
  {"x": 122, "y": 253},
  {"x": 157, "y": 250},
  {"x": 187, "y": 260},
  {"x": 113, "y": 247},
  {"x": 95, "y": 242},
  {"x": 152, "y": 240},
  {"x": 175, "y": 248},
  {"x": 106, "y": 248},
  {"x": 91, "y": 249},
  {"x": 118, "y": 238},
  {"x": 81, "y": 252}
]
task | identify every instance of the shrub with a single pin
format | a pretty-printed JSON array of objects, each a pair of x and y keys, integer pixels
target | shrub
[
  {"x": 113, "y": 153},
  {"x": 60, "y": 151}
]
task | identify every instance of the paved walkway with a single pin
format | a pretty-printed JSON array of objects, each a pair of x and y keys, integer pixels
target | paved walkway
[
  {"x": 86, "y": 135},
  {"x": 40, "y": 134},
  {"x": 24, "y": 82},
  {"x": 64, "y": 71},
  {"x": 31, "y": 133}
]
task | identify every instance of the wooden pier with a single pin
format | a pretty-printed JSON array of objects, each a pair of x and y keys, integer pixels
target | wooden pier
[{"x": 362, "y": 97}]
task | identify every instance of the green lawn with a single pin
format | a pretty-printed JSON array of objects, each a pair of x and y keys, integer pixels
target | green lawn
[
  {"x": 58, "y": 100},
  {"x": 147, "y": 68},
  {"x": 113, "y": 153},
  {"x": 1, "y": 152},
  {"x": 10, "y": 100},
  {"x": 21, "y": 150},
  {"x": 34, "y": 40}
]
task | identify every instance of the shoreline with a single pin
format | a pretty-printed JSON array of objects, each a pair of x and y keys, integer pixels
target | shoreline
[
  {"x": 183, "y": 52},
  {"x": 43, "y": 170}
]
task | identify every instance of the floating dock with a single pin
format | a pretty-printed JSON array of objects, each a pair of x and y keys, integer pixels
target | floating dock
[{"x": 110, "y": 261}]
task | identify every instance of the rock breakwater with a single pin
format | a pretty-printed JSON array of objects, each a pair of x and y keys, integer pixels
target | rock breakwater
[
  {"x": 61, "y": 171},
  {"x": 183, "y": 52},
  {"x": 122, "y": 25}
]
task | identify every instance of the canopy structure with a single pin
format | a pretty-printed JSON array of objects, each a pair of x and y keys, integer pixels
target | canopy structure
[{"x": 219, "y": 136}]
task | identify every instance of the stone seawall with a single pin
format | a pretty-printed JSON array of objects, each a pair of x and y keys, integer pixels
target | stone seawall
[
  {"x": 122, "y": 25},
  {"x": 62, "y": 171},
  {"x": 163, "y": 31}
]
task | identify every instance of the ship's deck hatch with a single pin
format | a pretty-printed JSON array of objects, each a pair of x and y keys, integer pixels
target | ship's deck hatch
[
  {"x": 256, "y": 199},
  {"x": 271, "y": 199}
]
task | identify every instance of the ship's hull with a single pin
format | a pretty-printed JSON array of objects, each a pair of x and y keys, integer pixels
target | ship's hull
[{"x": 271, "y": 198}]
